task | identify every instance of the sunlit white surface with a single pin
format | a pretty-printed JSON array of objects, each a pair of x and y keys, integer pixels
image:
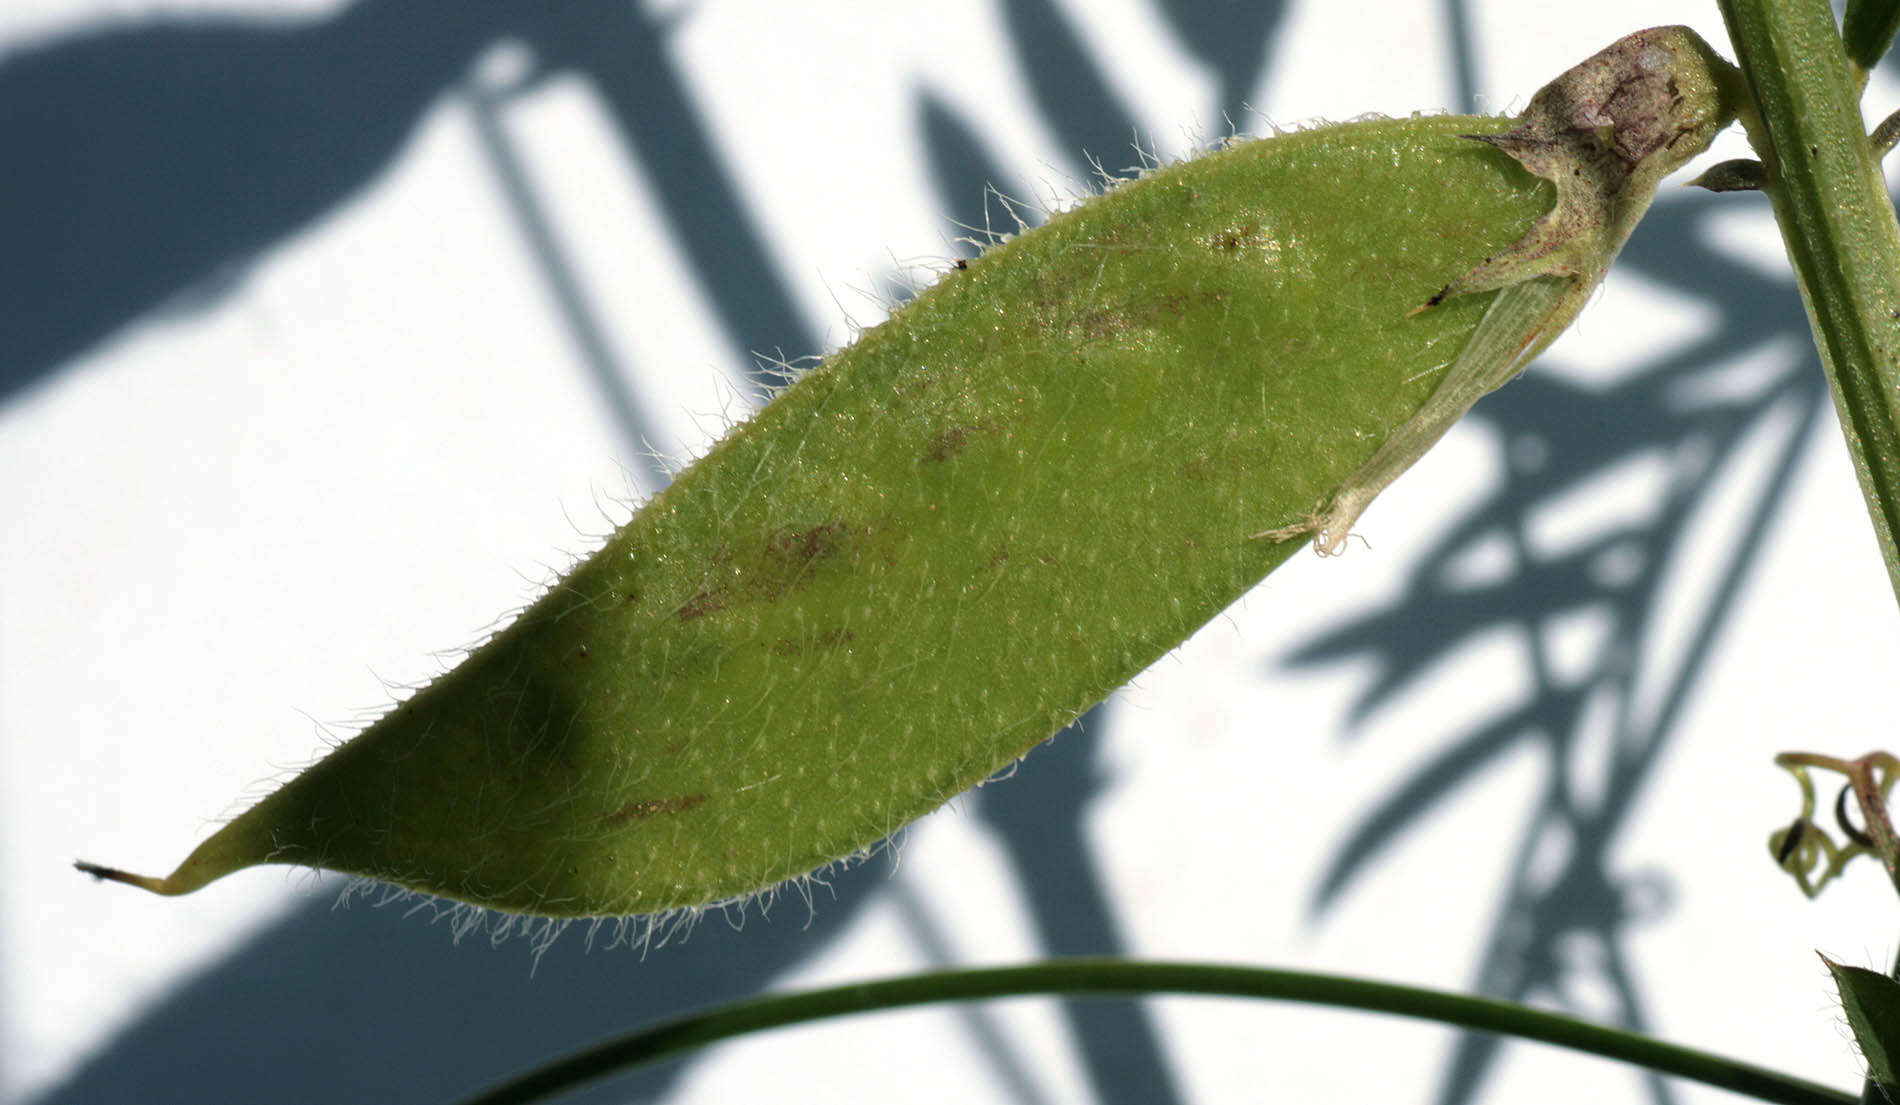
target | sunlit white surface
[{"x": 233, "y": 529}]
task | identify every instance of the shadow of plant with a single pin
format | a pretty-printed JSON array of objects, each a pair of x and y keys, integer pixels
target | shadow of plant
[
  {"x": 1600, "y": 725},
  {"x": 385, "y": 1002},
  {"x": 1561, "y": 437}
]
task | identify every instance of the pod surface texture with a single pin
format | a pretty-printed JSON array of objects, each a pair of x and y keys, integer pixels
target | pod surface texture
[
  {"x": 1027, "y": 485},
  {"x": 938, "y": 547}
]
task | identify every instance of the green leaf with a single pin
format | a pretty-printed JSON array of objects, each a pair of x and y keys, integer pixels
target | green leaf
[
  {"x": 1872, "y": 1002},
  {"x": 1868, "y": 29},
  {"x": 990, "y": 511}
]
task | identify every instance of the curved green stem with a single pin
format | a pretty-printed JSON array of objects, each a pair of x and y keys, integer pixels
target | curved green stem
[
  {"x": 1838, "y": 224},
  {"x": 1111, "y": 977}
]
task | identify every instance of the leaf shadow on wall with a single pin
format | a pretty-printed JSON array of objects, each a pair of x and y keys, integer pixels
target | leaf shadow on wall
[
  {"x": 1601, "y": 723},
  {"x": 162, "y": 158},
  {"x": 152, "y": 162}
]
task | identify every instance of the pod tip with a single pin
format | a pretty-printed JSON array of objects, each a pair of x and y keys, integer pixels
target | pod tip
[{"x": 113, "y": 874}]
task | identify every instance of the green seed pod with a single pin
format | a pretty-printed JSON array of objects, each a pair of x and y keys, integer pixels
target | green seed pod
[{"x": 994, "y": 508}]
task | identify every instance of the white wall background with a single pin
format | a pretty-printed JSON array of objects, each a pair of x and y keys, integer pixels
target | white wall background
[{"x": 232, "y": 524}]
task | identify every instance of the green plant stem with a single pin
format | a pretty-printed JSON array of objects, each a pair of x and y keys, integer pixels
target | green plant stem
[
  {"x": 1110, "y": 977},
  {"x": 1838, "y": 224}
]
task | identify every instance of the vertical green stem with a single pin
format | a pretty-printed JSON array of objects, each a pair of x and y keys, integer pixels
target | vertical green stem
[{"x": 1838, "y": 223}]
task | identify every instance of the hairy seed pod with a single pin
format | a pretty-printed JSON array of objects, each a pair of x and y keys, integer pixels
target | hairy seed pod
[{"x": 994, "y": 508}]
